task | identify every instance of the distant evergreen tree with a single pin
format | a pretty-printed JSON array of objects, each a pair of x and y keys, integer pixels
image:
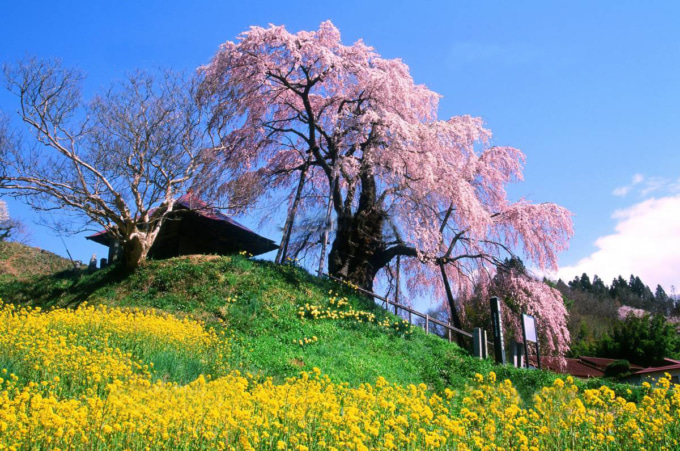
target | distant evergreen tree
[
  {"x": 619, "y": 288},
  {"x": 562, "y": 287},
  {"x": 514, "y": 263},
  {"x": 636, "y": 285},
  {"x": 599, "y": 289},
  {"x": 660, "y": 294},
  {"x": 643, "y": 296},
  {"x": 576, "y": 283},
  {"x": 663, "y": 302}
]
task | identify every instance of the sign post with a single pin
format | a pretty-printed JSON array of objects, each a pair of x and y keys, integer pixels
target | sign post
[
  {"x": 529, "y": 332},
  {"x": 518, "y": 354},
  {"x": 479, "y": 348},
  {"x": 497, "y": 324}
]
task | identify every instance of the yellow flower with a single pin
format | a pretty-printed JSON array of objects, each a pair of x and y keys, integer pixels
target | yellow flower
[{"x": 118, "y": 402}]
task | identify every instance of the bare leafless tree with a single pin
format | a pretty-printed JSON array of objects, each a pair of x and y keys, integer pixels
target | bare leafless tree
[{"x": 118, "y": 160}]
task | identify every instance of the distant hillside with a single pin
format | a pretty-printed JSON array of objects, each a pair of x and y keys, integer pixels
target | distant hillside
[
  {"x": 596, "y": 310},
  {"x": 18, "y": 261}
]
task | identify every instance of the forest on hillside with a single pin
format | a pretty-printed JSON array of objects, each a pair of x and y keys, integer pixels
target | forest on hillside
[{"x": 623, "y": 320}]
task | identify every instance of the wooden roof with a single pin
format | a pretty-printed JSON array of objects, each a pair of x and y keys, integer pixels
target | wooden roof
[
  {"x": 602, "y": 363},
  {"x": 574, "y": 367},
  {"x": 212, "y": 222}
]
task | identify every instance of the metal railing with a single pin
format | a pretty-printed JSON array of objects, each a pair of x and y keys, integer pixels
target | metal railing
[{"x": 450, "y": 330}]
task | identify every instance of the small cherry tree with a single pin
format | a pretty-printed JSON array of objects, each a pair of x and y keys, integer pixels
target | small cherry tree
[{"x": 303, "y": 111}]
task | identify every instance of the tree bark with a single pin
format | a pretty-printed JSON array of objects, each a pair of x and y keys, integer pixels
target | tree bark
[
  {"x": 452, "y": 305},
  {"x": 136, "y": 248},
  {"x": 359, "y": 239}
]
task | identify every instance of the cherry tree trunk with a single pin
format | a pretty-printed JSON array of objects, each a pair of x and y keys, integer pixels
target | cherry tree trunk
[
  {"x": 355, "y": 244},
  {"x": 359, "y": 239}
]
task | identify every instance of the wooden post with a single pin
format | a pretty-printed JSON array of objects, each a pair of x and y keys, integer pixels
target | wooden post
[
  {"x": 497, "y": 323},
  {"x": 450, "y": 335},
  {"x": 396, "y": 293},
  {"x": 410, "y": 318},
  {"x": 526, "y": 347},
  {"x": 427, "y": 324},
  {"x": 518, "y": 354},
  {"x": 477, "y": 343}
]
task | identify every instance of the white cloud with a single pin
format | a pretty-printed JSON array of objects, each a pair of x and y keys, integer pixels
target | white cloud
[
  {"x": 623, "y": 190},
  {"x": 648, "y": 185},
  {"x": 646, "y": 242},
  {"x": 674, "y": 187}
]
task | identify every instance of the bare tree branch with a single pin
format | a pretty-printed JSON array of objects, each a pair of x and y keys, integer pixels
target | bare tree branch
[{"x": 119, "y": 160}]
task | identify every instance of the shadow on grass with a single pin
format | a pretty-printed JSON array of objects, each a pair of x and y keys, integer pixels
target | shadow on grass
[{"x": 69, "y": 288}]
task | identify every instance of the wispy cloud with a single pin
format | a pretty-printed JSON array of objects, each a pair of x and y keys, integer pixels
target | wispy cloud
[
  {"x": 621, "y": 191},
  {"x": 645, "y": 242},
  {"x": 645, "y": 186}
]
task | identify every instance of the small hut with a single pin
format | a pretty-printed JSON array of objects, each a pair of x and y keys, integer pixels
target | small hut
[{"x": 195, "y": 228}]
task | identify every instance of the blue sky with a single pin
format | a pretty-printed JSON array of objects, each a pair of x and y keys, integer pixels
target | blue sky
[{"x": 588, "y": 90}]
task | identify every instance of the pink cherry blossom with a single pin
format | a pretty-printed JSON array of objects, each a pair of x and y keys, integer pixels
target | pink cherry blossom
[{"x": 408, "y": 183}]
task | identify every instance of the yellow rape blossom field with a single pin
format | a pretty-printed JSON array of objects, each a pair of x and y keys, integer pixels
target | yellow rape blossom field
[{"x": 84, "y": 379}]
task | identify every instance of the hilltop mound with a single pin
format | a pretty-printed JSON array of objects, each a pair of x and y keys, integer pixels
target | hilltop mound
[{"x": 18, "y": 261}]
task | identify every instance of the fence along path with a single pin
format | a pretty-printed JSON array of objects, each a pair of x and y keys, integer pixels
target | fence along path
[{"x": 450, "y": 330}]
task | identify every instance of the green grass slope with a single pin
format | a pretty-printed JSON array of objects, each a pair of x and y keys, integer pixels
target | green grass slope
[
  {"x": 259, "y": 303},
  {"x": 18, "y": 261}
]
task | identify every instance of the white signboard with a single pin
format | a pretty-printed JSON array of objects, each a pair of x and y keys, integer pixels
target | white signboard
[{"x": 529, "y": 324}]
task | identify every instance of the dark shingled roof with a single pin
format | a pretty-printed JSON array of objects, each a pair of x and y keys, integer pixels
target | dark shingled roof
[
  {"x": 191, "y": 202},
  {"x": 585, "y": 367},
  {"x": 659, "y": 369},
  {"x": 602, "y": 363},
  {"x": 217, "y": 222},
  {"x": 574, "y": 367}
]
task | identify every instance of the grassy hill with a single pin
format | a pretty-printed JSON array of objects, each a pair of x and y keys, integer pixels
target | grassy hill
[
  {"x": 18, "y": 261},
  {"x": 260, "y": 304},
  {"x": 319, "y": 367}
]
